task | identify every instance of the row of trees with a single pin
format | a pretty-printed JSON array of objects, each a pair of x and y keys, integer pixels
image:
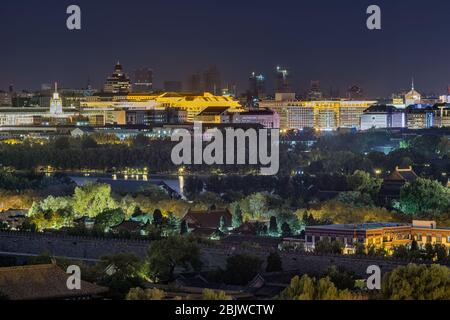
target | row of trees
[{"x": 411, "y": 282}]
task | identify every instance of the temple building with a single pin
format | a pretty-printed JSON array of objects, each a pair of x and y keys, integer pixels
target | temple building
[{"x": 390, "y": 189}]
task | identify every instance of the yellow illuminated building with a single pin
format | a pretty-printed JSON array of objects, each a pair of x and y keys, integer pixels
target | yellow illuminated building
[
  {"x": 193, "y": 104},
  {"x": 379, "y": 235},
  {"x": 321, "y": 115}
]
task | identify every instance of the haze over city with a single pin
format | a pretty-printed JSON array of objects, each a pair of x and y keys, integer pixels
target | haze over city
[{"x": 317, "y": 40}]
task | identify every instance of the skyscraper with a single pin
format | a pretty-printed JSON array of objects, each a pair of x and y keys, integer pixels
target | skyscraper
[
  {"x": 283, "y": 78},
  {"x": 118, "y": 82},
  {"x": 143, "y": 80},
  {"x": 257, "y": 86},
  {"x": 211, "y": 81}
]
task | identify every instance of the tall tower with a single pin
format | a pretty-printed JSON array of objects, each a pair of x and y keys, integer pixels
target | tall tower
[
  {"x": 56, "y": 102},
  {"x": 283, "y": 79}
]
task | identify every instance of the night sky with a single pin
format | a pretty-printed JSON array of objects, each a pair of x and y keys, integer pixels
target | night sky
[{"x": 324, "y": 40}]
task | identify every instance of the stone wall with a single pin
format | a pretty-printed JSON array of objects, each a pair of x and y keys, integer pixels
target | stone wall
[
  {"x": 313, "y": 264},
  {"x": 85, "y": 248},
  {"x": 68, "y": 246}
]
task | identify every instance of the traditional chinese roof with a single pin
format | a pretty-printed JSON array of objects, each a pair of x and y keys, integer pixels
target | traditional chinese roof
[
  {"x": 42, "y": 282},
  {"x": 404, "y": 175},
  {"x": 129, "y": 226},
  {"x": 208, "y": 219}
]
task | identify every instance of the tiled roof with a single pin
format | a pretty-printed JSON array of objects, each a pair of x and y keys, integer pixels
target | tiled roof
[
  {"x": 130, "y": 226},
  {"x": 407, "y": 175},
  {"x": 208, "y": 219},
  {"x": 41, "y": 282}
]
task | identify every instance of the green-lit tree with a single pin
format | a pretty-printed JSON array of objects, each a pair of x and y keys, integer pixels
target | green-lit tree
[
  {"x": 306, "y": 288},
  {"x": 417, "y": 282},
  {"x": 424, "y": 197},
  {"x": 364, "y": 183},
  {"x": 165, "y": 255},
  {"x": 341, "y": 278},
  {"x": 109, "y": 218},
  {"x": 119, "y": 273},
  {"x": 93, "y": 199},
  {"x": 237, "y": 216}
]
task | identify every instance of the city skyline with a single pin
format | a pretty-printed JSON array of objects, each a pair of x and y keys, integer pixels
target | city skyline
[{"x": 300, "y": 36}]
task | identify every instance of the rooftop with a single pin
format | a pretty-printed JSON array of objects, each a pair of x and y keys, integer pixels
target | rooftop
[
  {"x": 362, "y": 226},
  {"x": 42, "y": 282}
]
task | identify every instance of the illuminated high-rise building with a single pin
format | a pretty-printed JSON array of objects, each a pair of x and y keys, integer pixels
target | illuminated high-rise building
[
  {"x": 283, "y": 78},
  {"x": 257, "y": 86},
  {"x": 118, "y": 82}
]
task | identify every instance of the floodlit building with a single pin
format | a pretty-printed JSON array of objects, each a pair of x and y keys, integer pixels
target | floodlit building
[
  {"x": 118, "y": 82},
  {"x": 385, "y": 235},
  {"x": 257, "y": 86},
  {"x": 442, "y": 115},
  {"x": 324, "y": 115},
  {"x": 413, "y": 97},
  {"x": 269, "y": 119},
  {"x": 38, "y": 116},
  {"x": 212, "y": 115},
  {"x": 420, "y": 116},
  {"x": 155, "y": 116},
  {"x": 382, "y": 116}
]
